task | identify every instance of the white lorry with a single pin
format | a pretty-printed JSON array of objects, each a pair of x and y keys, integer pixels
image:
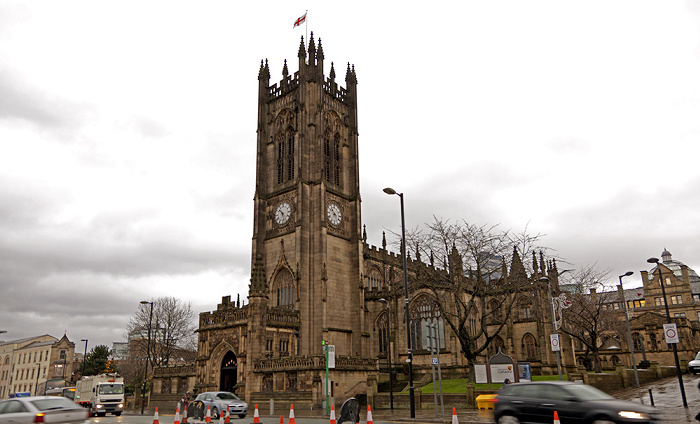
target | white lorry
[{"x": 102, "y": 394}]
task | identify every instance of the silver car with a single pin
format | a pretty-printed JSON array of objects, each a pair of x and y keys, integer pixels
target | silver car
[
  {"x": 218, "y": 402},
  {"x": 42, "y": 409}
]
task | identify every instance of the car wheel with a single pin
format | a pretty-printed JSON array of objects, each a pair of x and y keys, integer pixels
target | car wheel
[
  {"x": 215, "y": 413},
  {"x": 241, "y": 415},
  {"x": 508, "y": 419},
  {"x": 117, "y": 414}
]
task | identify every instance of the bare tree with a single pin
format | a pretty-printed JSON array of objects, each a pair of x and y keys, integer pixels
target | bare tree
[
  {"x": 471, "y": 284},
  {"x": 592, "y": 317},
  {"x": 173, "y": 327}
]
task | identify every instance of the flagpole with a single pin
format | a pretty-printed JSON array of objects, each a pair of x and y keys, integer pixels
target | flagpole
[{"x": 306, "y": 27}]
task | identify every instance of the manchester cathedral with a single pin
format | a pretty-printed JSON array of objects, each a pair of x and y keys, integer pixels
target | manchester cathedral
[{"x": 315, "y": 280}]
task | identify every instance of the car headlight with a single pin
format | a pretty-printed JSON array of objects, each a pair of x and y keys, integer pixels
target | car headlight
[
  {"x": 98, "y": 406},
  {"x": 633, "y": 415},
  {"x": 120, "y": 406}
]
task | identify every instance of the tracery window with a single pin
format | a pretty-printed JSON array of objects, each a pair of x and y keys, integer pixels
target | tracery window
[
  {"x": 495, "y": 344},
  {"x": 495, "y": 308},
  {"x": 427, "y": 325},
  {"x": 638, "y": 342},
  {"x": 374, "y": 280},
  {"x": 285, "y": 156},
  {"x": 382, "y": 333},
  {"x": 530, "y": 349},
  {"x": 525, "y": 308},
  {"x": 284, "y": 289},
  {"x": 331, "y": 157}
]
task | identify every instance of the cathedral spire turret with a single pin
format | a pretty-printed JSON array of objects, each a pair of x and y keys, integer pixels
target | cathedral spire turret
[
  {"x": 258, "y": 284},
  {"x": 312, "y": 50}
]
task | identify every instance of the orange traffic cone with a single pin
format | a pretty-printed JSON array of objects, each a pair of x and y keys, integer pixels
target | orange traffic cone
[
  {"x": 281, "y": 419},
  {"x": 184, "y": 414},
  {"x": 556, "y": 418},
  {"x": 207, "y": 419},
  {"x": 155, "y": 416},
  {"x": 454, "y": 416},
  {"x": 221, "y": 417},
  {"x": 177, "y": 415},
  {"x": 369, "y": 415},
  {"x": 291, "y": 415},
  {"x": 256, "y": 417},
  {"x": 227, "y": 420},
  {"x": 332, "y": 414}
]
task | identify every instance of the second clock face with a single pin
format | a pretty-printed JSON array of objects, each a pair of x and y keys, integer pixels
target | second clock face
[
  {"x": 282, "y": 214},
  {"x": 334, "y": 215}
]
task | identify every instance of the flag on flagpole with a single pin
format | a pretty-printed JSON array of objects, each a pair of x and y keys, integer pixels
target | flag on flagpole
[{"x": 300, "y": 21}]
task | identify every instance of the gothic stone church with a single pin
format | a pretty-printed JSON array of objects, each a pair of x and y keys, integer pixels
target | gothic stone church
[{"x": 314, "y": 278}]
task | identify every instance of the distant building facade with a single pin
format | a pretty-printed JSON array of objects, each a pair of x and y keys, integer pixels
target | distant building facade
[{"x": 32, "y": 364}]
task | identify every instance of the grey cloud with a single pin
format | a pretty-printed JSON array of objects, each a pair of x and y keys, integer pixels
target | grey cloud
[{"x": 21, "y": 102}]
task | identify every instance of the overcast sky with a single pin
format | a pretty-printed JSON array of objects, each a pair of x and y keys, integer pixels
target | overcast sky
[{"x": 127, "y": 137}]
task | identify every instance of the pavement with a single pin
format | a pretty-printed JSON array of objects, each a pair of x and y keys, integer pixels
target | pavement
[{"x": 666, "y": 395}]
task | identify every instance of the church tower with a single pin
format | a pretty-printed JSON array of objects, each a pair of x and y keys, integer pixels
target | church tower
[{"x": 307, "y": 225}]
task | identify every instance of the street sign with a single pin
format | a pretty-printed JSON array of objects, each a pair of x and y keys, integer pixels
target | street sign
[
  {"x": 435, "y": 362},
  {"x": 554, "y": 339},
  {"x": 331, "y": 356},
  {"x": 671, "y": 333}
]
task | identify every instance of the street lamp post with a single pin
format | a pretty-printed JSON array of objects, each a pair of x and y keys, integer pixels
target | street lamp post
[
  {"x": 554, "y": 325},
  {"x": 668, "y": 318},
  {"x": 82, "y": 373},
  {"x": 148, "y": 356},
  {"x": 411, "y": 394},
  {"x": 627, "y": 320},
  {"x": 388, "y": 354}
]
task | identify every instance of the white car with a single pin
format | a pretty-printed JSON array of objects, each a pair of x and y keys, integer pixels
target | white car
[
  {"x": 42, "y": 409},
  {"x": 694, "y": 365}
]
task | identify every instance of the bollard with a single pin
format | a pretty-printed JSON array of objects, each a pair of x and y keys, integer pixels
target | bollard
[{"x": 651, "y": 397}]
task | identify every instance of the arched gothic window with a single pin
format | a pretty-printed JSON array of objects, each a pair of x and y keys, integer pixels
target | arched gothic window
[
  {"x": 284, "y": 289},
  {"x": 525, "y": 308},
  {"x": 638, "y": 341},
  {"x": 495, "y": 309},
  {"x": 530, "y": 348},
  {"x": 382, "y": 333},
  {"x": 374, "y": 280},
  {"x": 331, "y": 156},
  {"x": 427, "y": 326},
  {"x": 285, "y": 156},
  {"x": 495, "y": 344}
]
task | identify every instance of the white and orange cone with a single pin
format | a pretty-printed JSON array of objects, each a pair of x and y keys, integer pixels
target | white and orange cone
[
  {"x": 454, "y": 416},
  {"x": 155, "y": 416},
  {"x": 281, "y": 419},
  {"x": 291, "y": 415},
  {"x": 369, "y": 415},
  {"x": 556, "y": 418},
  {"x": 256, "y": 416},
  {"x": 177, "y": 415},
  {"x": 207, "y": 419},
  {"x": 227, "y": 420},
  {"x": 332, "y": 414}
]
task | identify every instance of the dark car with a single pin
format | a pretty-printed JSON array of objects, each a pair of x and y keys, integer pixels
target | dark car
[
  {"x": 536, "y": 402},
  {"x": 218, "y": 402}
]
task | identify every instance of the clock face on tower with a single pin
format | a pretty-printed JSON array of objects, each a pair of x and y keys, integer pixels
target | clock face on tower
[
  {"x": 334, "y": 215},
  {"x": 283, "y": 212}
]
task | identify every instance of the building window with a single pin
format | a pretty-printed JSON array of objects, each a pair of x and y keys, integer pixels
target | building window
[
  {"x": 676, "y": 300},
  {"x": 331, "y": 155},
  {"x": 382, "y": 333},
  {"x": 616, "y": 305},
  {"x": 530, "y": 349},
  {"x": 374, "y": 280},
  {"x": 679, "y": 315},
  {"x": 696, "y": 298},
  {"x": 285, "y": 156},
  {"x": 668, "y": 281},
  {"x": 659, "y": 301},
  {"x": 425, "y": 322},
  {"x": 284, "y": 289},
  {"x": 527, "y": 312}
]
